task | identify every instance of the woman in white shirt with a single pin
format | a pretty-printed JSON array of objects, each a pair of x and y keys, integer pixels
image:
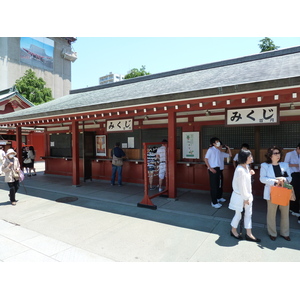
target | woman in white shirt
[{"x": 242, "y": 198}]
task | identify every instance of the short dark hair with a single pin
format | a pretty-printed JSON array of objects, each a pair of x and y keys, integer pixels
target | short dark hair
[
  {"x": 213, "y": 140},
  {"x": 245, "y": 145},
  {"x": 243, "y": 156},
  {"x": 118, "y": 144},
  {"x": 269, "y": 154}
]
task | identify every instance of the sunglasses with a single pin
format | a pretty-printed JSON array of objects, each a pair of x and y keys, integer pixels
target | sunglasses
[{"x": 276, "y": 153}]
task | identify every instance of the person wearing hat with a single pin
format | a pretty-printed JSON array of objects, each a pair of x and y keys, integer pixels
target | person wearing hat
[{"x": 11, "y": 167}]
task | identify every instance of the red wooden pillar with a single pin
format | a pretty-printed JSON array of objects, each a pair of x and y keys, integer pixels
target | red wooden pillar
[
  {"x": 75, "y": 154},
  {"x": 19, "y": 143},
  {"x": 172, "y": 154}
]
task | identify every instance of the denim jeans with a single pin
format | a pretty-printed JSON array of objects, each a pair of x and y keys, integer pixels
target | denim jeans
[{"x": 116, "y": 169}]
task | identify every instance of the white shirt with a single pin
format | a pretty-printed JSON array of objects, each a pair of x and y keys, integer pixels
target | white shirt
[
  {"x": 214, "y": 157},
  {"x": 161, "y": 151},
  {"x": 223, "y": 156},
  {"x": 242, "y": 188},
  {"x": 2, "y": 154},
  {"x": 293, "y": 158}
]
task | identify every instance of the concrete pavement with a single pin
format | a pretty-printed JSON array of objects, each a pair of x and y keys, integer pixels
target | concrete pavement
[{"x": 104, "y": 224}]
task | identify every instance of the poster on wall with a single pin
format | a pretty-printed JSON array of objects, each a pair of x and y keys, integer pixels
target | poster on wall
[
  {"x": 190, "y": 145},
  {"x": 100, "y": 145},
  {"x": 37, "y": 52}
]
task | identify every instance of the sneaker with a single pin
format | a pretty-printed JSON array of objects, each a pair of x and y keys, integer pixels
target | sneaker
[
  {"x": 294, "y": 213},
  {"x": 153, "y": 188},
  {"x": 160, "y": 190},
  {"x": 221, "y": 200},
  {"x": 218, "y": 205}
]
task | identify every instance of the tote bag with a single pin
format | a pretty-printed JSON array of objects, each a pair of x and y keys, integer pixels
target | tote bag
[{"x": 280, "y": 195}]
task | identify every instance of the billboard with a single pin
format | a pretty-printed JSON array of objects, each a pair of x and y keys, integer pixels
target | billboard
[{"x": 37, "y": 52}]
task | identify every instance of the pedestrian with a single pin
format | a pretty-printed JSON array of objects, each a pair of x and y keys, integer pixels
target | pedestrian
[
  {"x": 242, "y": 198},
  {"x": 151, "y": 165},
  {"x": 161, "y": 156},
  {"x": 2, "y": 156},
  {"x": 11, "y": 168},
  {"x": 117, "y": 155},
  {"x": 293, "y": 159},
  {"x": 274, "y": 172},
  {"x": 223, "y": 156},
  {"x": 213, "y": 163},
  {"x": 31, "y": 156}
]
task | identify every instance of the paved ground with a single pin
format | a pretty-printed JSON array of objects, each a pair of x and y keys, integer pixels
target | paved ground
[{"x": 104, "y": 224}]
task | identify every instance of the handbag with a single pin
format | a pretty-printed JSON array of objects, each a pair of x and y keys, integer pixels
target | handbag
[
  {"x": 22, "y": 176},
  {"x": 27, "y": 161},
  {"x": 15, "y": 174},
  {"x": 289, "y": 186},
  {"x": 280, "y": 195},
  {"x": 117, "y": 161}
]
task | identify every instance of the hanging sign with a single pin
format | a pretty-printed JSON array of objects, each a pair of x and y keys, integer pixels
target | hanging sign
[
  {"x": 190, "y": 144},
  {"x": 119, "y": 125},
  {"x": 265, "y": 115}
]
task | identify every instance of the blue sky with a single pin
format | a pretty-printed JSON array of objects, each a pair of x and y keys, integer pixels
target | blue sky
[{"x": 97, "y": 56}]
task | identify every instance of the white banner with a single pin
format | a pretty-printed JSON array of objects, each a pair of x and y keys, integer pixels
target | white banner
[
  {"x": 119, "y": 125},
  {"x": 251, "y": 116},
  {"x": 190, "y": 145}
]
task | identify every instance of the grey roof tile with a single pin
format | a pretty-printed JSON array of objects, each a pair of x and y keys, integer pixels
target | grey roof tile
[{"x": 268, "y": 66}]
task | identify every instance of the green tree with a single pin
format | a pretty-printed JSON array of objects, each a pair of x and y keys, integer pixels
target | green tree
[
  {"x": 137, "y": 72},
  {"x": 33, "y": 88},
  {"x": 267, "y": 44}
]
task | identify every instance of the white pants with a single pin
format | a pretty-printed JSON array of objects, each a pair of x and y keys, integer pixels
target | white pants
[
  {"x": 162, "y": 171},
  {"x": 247, "y": 217}
]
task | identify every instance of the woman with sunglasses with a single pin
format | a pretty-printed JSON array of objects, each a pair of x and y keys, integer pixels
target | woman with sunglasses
[{"x": 274, "y": 172}]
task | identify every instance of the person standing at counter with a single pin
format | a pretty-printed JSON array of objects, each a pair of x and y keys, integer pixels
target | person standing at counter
[
  {"x": 117, "y": 155},
  {"x": 161, "y": 155},
  {"x": 213, "y": 163}
]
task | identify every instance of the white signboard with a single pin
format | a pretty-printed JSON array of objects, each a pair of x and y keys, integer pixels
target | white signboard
[
  {"x": 265, "y": 115},
  {"x": 119, "y": 125},
  {"x": 190, "y": 145}
]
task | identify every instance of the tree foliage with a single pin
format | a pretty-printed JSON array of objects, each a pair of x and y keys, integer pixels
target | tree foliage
[
  {"x": 137, "y": 72},
  {"x": 267, "y": 44},
  {"x": 33, "y": 88}
]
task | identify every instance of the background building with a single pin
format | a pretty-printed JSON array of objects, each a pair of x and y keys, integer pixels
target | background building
[
  {"x": 50, "y": 58},
  {"x": 110, "y": 78}
]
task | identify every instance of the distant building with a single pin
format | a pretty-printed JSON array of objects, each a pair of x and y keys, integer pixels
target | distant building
[
  {"x": 50, "y": 58},
  {"x": 110, "y": 78}
]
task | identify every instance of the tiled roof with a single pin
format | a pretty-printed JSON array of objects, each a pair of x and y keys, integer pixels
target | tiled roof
[
  {"x": 9, "y": 93},
  {"x": 207, "y": 79}
]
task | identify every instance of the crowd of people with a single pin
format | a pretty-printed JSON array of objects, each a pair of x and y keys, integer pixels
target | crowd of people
[{"x": 273, "y": 172}]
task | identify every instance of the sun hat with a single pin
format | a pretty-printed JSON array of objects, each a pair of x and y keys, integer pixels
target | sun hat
[{"x": 10, "y": 151}]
